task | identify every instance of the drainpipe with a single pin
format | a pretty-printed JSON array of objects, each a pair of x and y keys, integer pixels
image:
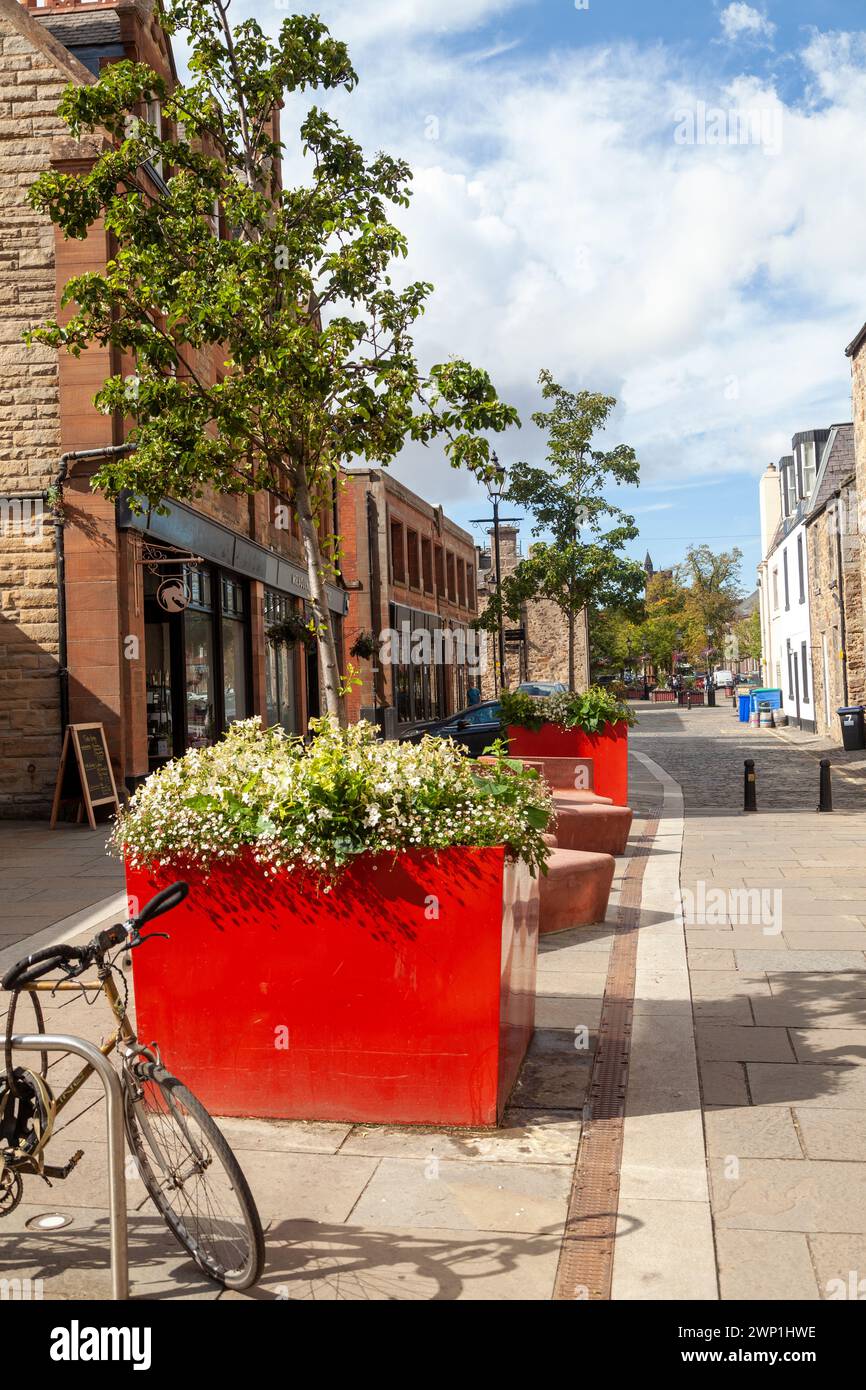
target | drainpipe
[
  {"x": 60, "y": 477},
  {"x": 840, "y": 598}
]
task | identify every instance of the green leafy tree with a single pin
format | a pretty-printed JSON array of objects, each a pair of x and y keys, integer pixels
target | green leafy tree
[
  {"x": 318, "y": 365},
  {"x": 616, "y": 642},
  {"x": 662, "y": 632},
  {"x": 747, "y": 637},
  {"x": 581, "y": 565},
  {"x": 712, "y": 583}
]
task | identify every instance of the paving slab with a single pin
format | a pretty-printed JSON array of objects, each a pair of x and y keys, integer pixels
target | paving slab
[
  {"x": 728, "y": 1043},
  {"x": 549, "y": 1137},
  {"x": 806, "y": 962},
  {"x": 842, "y": 1088},
  {"x": 555, "y": 1074},
  {"x": 308, "y": 1262},
  {"x": 789, "y": 1195},
  {"x": 752, "y": 1132},
  {"x": 840, "y": 1266},
  {"x": 765, "y": 1266},
  {"x": 664, "y": 1250},
  {"x": 483, "y": 1196},
  {"x": 791, "y": 1009},
  {"x": 723, "y": 1083},
  {"x": 829, "y": 1046},
  {"x": 324, "y": 1187},
  {"x": 832, "y": 1134}
]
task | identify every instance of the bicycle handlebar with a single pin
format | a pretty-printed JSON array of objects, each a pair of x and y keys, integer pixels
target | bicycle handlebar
[
  {"x": 24, "y": 973},
  {"x": 164, "y": 901}
]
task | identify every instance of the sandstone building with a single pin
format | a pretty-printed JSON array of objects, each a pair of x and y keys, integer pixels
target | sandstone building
[
  {"x": 835, "y": 587},
  {"x": 856, "y": 351},
  {"x": 540, "y": 652},
  {"x": 410, "y": 571}
]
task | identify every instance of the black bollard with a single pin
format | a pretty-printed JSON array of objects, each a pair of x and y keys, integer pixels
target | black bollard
[
  {"x": 689, "y": 700},
  {"x": 826, "y": 796},
  {"x": 711, "y": 697},
  {"x": 750, "y": 801}
]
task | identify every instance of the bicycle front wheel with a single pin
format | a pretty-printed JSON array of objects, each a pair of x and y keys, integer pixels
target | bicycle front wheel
[{"x": 193, "y": 1178}]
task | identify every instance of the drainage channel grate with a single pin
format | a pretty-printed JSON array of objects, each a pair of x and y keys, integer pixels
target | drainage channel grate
[{"x": 586, "y": 1257}]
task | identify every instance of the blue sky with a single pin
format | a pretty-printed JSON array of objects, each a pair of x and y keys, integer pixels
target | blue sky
[{"x": 661, "y": 201}]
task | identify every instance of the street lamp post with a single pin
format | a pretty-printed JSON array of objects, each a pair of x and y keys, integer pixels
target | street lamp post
[{"x": 495, "y": 489}]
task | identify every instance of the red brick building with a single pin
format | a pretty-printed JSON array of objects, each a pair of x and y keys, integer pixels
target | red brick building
[
  {"x": 410, "y": 572},
  {"x": 90, "y": 627}
]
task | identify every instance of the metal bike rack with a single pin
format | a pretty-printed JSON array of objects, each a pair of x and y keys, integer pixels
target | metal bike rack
[{"x": 89, "y": 1052}]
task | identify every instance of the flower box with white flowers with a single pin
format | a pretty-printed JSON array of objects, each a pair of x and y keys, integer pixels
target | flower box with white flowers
[
  {"x": 593, "y": 724},
  {"x": 360, "y": 938}
]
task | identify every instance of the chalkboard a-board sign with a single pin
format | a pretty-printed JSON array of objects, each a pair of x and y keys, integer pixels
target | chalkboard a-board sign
[{"x": 85, "y": 773}]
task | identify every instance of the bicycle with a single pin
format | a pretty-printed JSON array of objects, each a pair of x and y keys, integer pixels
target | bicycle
[{"x": 184, "y": 1161}]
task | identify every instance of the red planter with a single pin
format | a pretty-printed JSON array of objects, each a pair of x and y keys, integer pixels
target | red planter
[
  {"x": 406, "y": 995},
  {"x": 608, "y": 750}
]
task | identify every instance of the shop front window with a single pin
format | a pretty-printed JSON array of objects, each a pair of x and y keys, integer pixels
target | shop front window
[
  {"x": 402, "y": 692},
  {"x": 281, "y": 695},
  {"x": 199, "y": 679},
  {"x": 160, "y": 731}
]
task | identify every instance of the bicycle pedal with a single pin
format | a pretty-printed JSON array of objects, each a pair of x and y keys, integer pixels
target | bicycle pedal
[{"x": 51, "y": 1172}]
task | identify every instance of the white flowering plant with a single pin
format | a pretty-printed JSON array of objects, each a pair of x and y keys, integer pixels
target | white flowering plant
[
  {"x": 317, "y": 805},
  {"x": 590, "y": 710}
]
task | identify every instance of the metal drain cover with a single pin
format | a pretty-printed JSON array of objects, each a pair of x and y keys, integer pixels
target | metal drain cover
[{"x": 48, "y": 1221}]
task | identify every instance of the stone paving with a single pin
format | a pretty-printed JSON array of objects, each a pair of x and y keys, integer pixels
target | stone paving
[
  {"x": 49, "y": 875},
  {"x": 775, "y": 929},
  {"x": 744, "y": 1159},
  {"x": 351, "y": 1211}
]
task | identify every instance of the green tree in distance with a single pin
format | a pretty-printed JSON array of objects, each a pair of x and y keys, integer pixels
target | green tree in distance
[
  {"x": 747, "y": 636},
  {"x": 581, "y": 565},
  {"x": 663, "y": 631},
  {"x": 712, "y": 584},
  {"x": 318, "y": 361}
]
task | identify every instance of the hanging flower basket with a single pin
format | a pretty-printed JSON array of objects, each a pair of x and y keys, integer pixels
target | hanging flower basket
[
  {"x": 364, "y": 646},
  {"x": 361, "y": 931},
  {"x": 291, "y": 631}
]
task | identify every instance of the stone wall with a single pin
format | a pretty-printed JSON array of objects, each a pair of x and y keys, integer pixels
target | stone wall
[
  {"x": 858, "y": 403},
  {"x": 31, "y": 82},
  {"x": 838, "y": 522},
  {"x": 546, "y": 651}
]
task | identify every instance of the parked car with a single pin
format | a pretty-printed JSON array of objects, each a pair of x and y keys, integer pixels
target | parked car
[
  {"x": 475, "y": 728},
  {"x": 542, "y": 689},
  {"x": 723, "y": 678}
]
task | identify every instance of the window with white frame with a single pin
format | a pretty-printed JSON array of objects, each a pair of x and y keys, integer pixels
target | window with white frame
[{"x": 808, "y": 464}]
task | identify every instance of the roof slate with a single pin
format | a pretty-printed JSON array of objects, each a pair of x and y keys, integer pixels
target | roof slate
[{"x": 837, "y": 467}]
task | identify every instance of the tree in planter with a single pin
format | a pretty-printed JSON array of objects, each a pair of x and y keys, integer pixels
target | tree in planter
[
  {"x": 319, "y": 362},
  {"x": 581, "y": 565}
]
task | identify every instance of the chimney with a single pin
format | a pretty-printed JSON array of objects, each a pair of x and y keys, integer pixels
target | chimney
[{"x": 770, "y": 495}]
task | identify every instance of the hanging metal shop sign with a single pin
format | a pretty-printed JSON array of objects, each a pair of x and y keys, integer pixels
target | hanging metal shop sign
[{"x": 173, "y": 594}]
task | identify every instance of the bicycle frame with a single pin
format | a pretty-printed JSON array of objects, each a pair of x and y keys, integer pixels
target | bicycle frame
[{"x": 107, "y": 987}]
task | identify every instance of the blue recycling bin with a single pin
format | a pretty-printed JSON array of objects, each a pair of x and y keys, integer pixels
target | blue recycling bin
[
  {"x": 744, "y": 702},
  {"x": 771, "y": 697}
]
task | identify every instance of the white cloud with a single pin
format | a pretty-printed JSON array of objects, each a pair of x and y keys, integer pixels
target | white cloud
[
  {"x": 710, "y": 287},
  {"x": 743, "y": 21},
  {"x": 366, "y": 22}
]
